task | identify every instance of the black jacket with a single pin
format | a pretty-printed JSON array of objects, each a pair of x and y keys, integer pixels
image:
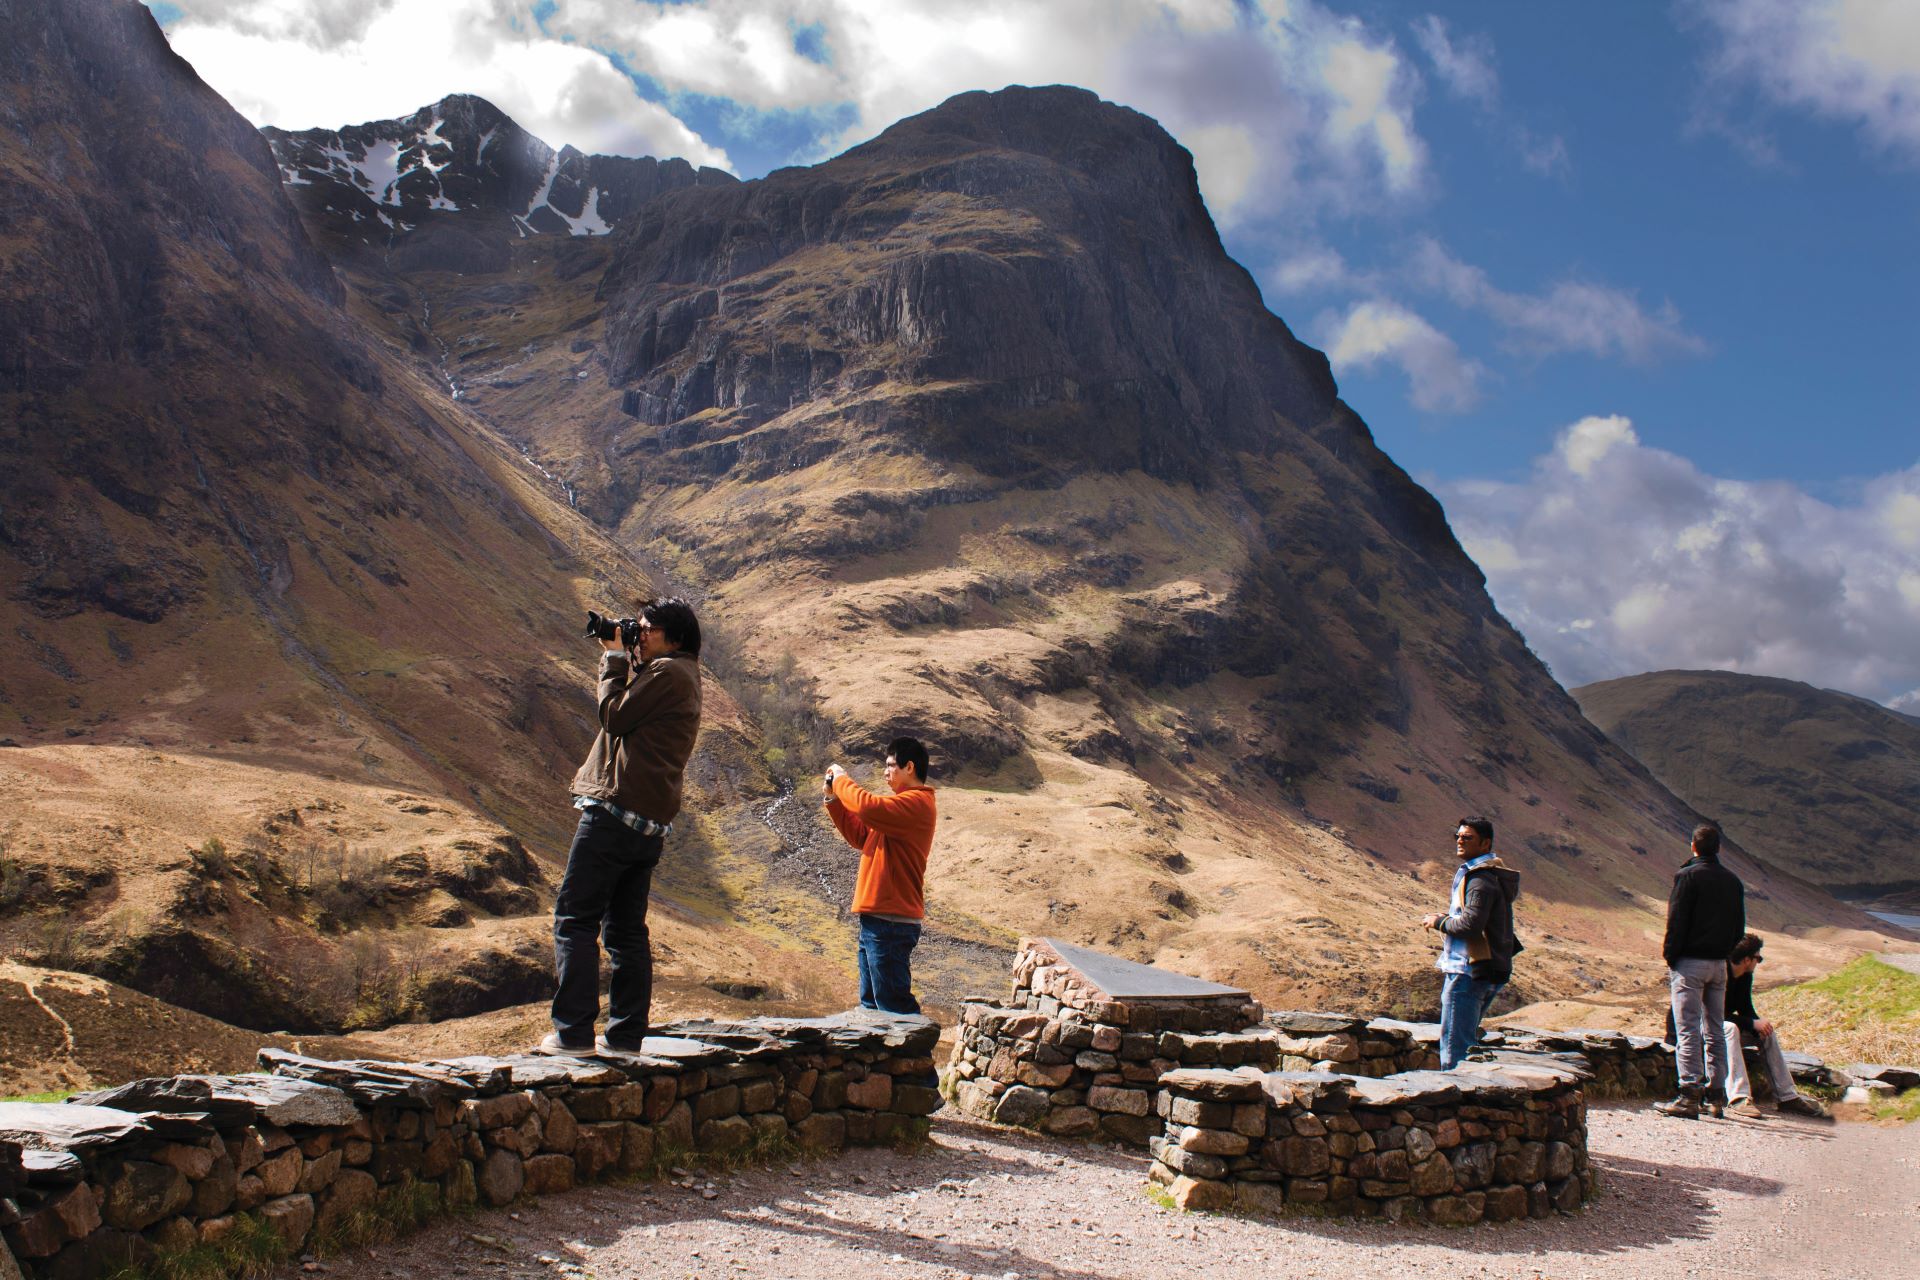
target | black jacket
[
  {"x": 1706, "y": 913},
  {"x": 1485, "y": 920}
]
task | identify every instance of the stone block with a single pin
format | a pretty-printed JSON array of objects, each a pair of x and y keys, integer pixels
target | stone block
[
  {"x": 1304, "y": 1157},
  {"x": 438, "y": 1157},
  {"x": 352, "y": 1191},
  {"x": 1213, "y": 1142},
  {"x": 822, "y": 1131},
  {"x": 1432, "y": 1176},
  {"x": 194, "y": 1162},
  {"x": 1201, "y": 1194},
  {"x": 1072, "y": 1121},
  {"x": 1559, "y": 1161},
  {"x": 1132, "y": 1102},
  {"x": 395, "y": 1160},
  {"x": 1020, "y": 1105},
  {"x": 1193, "y": 1163},
  {"x": 768, "y": 1126},
  {"x": 500, "y": 1111},
  {"x": 759, "y": 1095},
  {"x": 1250, "y": 1118},
  {"x": 1506, "y": 1204},
  {"x": 1106, "y": 1039},
  {"x": 291, "y": 1218},
  {"x": 1042, "y": 1076},
  {"x": 664, "y": 1091},
  {"x": 173, "y": 1235},
  {"x": 249, "y": 1193},
  {"x": 561, "y": 1127},
  {"x": 916, "y": 1100},
  {"x": 317, "y": 1175},
  {"x": 214, "y": 1230},
  {"x": 1204, "y": 1115},
  {"x": 213, "y": 1193},
  {"x": 875, "y": 1093},
  {"x": 1380, "y": 1189},
  {"x": 135, "y": 1194},
  {"x": 549, "y": 1174},
  {"x": 798, "y": 1106},
  {"x": 1095, "y": 1061},
  {"x": 1132, "y": 1130},
  {"x": 501, "y": 1178},
  {"x": 716, "y": 1103},
  {"x": 636, "y": 1147},
  {"x": 830, "y": 1092},
  {"x": 356, "y": 1151},
  {"x": 246, "y": 1150},
  {"x": 675, "y": 1129}
]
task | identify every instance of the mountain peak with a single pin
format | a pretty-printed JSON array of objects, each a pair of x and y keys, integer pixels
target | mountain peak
[{"x": 463, "y": 178}]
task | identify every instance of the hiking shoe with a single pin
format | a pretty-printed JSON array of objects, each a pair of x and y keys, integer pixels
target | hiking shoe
[
  {"x": 1683, "y": 1107},
  {"x": 603, "y": 1045},
  {"x": 1744, "y": 1108},
  {"x": 1714, "y": 1103},
  {"x": 1799, "y": 1106},
  {"x": 554, "y": 1042}
]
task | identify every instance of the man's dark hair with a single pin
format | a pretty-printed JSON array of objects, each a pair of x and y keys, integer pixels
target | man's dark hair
[
  {"x": 1479, "y": 826},
  {"x": 1706, "y": 840},
  {"x": 1749, "y": 945},
  {"x": 910, "y": 751},
  {"x": 674, "y": 617}
]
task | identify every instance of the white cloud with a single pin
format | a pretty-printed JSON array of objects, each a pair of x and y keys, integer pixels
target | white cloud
[
  {"x": 1573, "y": 315},
  {"x": 1377, "y": 331},
  {"x": 1286, "y": 106},
  {"x": 303, "y": 64},
  {"x": 1465, "y": 67},
  {"x": 1614, "y": 557},
  {"x": 1856, "y": 61}
]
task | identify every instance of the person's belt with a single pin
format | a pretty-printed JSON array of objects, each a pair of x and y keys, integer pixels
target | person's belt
[{"x": 644, "y": 825}]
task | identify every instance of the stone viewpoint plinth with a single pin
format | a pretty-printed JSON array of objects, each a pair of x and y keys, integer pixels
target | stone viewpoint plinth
[{"x": 1080, "y": 1046}]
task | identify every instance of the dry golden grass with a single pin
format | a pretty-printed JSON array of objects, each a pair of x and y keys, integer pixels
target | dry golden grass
[{"x": 1865, "y": 1012}]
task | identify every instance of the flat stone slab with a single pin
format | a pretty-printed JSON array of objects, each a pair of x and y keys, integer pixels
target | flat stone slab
[
  {"x": 1408, "y": 1089},
  {"x": 61, "y": 1126},
  {"x": 1897, "y": 1076},
  {"x": 231, "y": 1101},
  {"x": 1418, "y": 1032},
  {"x": 1127, "y": 980},
  {"x": 1312, "y": 1022},
  {"x": 52, "y": 1168},
  {"x": 540, "y": 1070},
  {"x": 402, "y": 1084}
]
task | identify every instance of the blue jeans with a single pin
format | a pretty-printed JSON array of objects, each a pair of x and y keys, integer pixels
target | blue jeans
[
  {"x": 886, "y": 980},
  {"x": 604, "y": 892},
  {"x": 1463, "y": 1002}
]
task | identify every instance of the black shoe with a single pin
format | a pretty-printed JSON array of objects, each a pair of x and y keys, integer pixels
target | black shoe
[
  {"x": 1715, "y": 1103},
  {"x": 1799, "y": 1105},
  {"x": 554, "y": 1042}
]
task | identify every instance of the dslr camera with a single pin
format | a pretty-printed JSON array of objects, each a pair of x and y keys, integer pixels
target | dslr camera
[{"x": 628, "y": 629}]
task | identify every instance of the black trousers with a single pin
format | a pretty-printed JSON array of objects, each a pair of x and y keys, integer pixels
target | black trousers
[{"x": 604, "y": 895}]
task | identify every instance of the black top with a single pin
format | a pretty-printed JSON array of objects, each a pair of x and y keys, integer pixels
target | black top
[
  {"x": 1740, "y": 1010},
  {"x": 1706, "y": 913}
]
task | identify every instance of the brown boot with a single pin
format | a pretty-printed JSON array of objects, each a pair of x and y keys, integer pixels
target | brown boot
[{"x": 1685, "y": 1105}]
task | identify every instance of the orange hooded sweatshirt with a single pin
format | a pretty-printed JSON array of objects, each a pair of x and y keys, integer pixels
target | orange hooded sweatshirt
[{"x": 894, "y": 834}]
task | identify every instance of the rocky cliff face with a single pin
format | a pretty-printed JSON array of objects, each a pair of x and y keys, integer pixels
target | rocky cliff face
[
  {"x": 293, "y": 679},
  {"x": 1822, "y": 783},
  {"x": 447, "y": 187}
]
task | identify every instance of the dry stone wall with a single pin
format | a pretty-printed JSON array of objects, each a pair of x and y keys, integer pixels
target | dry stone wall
[
  {"x": 111, "y": 1179},
  {"x": 1492, "y": 1142}
]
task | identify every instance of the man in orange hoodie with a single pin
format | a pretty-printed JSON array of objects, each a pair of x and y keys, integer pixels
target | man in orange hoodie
[{"x": 893, "y": 834}]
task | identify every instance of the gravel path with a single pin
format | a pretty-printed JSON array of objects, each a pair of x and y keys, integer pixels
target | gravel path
[{"x": 1777, "y": 1197}]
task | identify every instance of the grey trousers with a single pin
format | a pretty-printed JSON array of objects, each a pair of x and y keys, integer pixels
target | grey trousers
[
  {"x": 1738, "y": 1085},
  {"x": 1699, "y": 1001}
]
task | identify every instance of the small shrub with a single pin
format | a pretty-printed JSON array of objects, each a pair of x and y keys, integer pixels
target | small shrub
[{"x": 211, "y": 857}]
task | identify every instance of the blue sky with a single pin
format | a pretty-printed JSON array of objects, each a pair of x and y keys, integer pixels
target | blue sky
[{"x": 1631, "y": 287}]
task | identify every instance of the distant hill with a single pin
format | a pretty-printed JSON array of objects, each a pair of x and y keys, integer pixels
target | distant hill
[{"x": 1825, "y": 784}]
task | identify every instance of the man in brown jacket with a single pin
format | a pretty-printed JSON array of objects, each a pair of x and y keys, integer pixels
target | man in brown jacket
[{"x": 628, "y": 794}]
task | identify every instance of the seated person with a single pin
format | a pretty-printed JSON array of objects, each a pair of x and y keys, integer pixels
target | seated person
[{"x": 1744, "y": 1025}]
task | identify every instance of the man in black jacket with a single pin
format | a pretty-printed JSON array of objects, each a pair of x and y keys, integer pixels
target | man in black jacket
[
  {"x": 1477, "y": 957},
  {"x": 1706, "y": 916},
  {"x": 1744, "y": 1025}
]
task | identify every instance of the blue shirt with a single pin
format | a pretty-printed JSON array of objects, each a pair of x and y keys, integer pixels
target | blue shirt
[{"x": 1453, "y": 953}]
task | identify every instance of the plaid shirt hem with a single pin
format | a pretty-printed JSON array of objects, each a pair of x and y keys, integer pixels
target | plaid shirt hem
[{"x": 645, "y": 826}]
